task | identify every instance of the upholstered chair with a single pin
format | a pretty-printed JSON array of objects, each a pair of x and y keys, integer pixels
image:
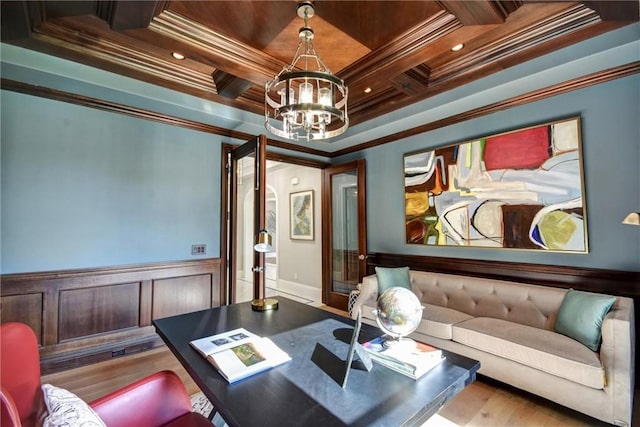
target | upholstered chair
[{"x": 159, "y": 399}]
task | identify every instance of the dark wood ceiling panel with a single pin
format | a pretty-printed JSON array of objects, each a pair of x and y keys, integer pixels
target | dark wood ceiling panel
[
  {"x": 481, "y": 12},
  {"x": 254, "y": 23},
  {"x": 61, "y": 9},
  {"x": 376, "y": 23},
  {"x": 401, "y": 50},
  {"x": 15, "y": 21},
  {"x": 615, "y": 10},
  {"x": 128, "y": 15}
]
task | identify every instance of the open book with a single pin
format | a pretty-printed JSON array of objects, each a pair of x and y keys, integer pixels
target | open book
[
  {"x": 413, "y": 363},
  {"x": 238, "y": 354}
]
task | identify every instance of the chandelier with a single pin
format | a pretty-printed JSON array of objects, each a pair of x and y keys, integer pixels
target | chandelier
[{"x": 310, "y": 104}]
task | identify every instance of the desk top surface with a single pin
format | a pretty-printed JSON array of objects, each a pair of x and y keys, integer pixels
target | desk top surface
[{"x": 308, "y": 390}]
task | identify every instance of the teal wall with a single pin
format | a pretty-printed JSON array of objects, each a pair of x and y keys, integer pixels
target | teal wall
[
  {"x": 610, "y": 114},
  {"x": 85, "y": 188}
]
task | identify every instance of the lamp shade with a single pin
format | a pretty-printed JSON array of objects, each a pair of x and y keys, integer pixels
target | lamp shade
[
  {"x": 263, "y": 241},
  {"x": 633, "y": 219}
]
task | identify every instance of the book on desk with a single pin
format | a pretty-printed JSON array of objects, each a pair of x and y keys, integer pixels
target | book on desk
[
  {"x": 413, "y": 363},
  {"x": 238, "y": 354}
]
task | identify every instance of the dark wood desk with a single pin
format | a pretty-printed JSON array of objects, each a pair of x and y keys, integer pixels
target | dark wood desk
[{"x": 307, "y": 391}]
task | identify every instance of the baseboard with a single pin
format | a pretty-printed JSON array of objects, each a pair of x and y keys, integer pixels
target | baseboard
[
  {"x": 63, "y": 362},
  {"x": 298, "y": 289}
]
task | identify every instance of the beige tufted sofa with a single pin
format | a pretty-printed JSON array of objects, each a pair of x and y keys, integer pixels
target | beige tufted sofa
[{"x": 508, "y": 327}]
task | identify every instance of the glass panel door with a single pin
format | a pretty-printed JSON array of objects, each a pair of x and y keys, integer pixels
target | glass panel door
[
  {"x": 246, "y": 219},
  {"x": 345, "y": 241}
]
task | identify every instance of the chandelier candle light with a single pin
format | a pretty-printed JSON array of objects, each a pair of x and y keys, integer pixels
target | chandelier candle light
[{"x": 303, "y": 104}]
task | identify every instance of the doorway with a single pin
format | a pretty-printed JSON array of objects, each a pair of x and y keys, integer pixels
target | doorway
[
  {"x": 320, "y": 270},
  {"x": 293, "y": 268}
]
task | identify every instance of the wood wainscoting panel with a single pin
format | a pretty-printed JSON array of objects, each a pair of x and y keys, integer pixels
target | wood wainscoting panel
[
  {"x": 96, "y": 310},
  {"x": 180, "y": 295},
  {"x": 25, "y": 308},
  {"x": 615, "y": 282},
  {"x": 89, "y": 315}
]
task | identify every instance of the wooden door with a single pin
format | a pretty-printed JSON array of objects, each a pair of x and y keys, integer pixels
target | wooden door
[
  {"x": 344, "y": 231},
  {"x": 247, "y": 166}
]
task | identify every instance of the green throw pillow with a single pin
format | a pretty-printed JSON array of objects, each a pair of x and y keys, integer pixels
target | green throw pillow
[
  {"x": 391, "y": 277},
  {"x": 580, "y": 316}
]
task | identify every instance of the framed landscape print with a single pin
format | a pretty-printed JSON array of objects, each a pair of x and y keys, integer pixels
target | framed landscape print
[
  {"x": 520, "y": 190},
  {"x": 301, "y": 215}
]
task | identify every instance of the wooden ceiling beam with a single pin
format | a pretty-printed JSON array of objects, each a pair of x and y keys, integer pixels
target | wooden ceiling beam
[
  {"x": 129, "y": 15},
  {"x": 228, "y": 85},
  {"x": 110, "y": 55},
  {"x": 615, "y": 10},
  {"x": 233, "y": 57},
  {"x": 16, "y": 22},
  {"x": 481, "y": 12},
  {"x": 510, "y": 43},
  {"x": 414, "y": 81},
  {"x": 400, "y": 55}
]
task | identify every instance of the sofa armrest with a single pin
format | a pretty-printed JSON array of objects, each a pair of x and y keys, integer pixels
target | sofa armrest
[
  {"x": 617, "y": 354},
  {"x": 151, "y": 401},
  {"x": 368, "y": 294}
]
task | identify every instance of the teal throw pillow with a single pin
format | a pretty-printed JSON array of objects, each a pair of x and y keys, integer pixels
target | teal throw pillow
[
  {"x": 391, "y": 277},
  {"x": 580, "y": 316}
]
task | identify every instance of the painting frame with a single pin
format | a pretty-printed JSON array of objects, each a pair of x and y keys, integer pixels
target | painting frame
[
  {"x": 301, "y": 215},
  {"x": 521, "y": 189}
]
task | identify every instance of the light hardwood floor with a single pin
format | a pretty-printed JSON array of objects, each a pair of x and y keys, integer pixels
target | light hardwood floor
[{"x": 483, "y": 403}]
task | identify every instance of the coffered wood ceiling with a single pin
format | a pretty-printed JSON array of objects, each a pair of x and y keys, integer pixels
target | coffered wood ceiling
[{"x": 400, "y": 49}]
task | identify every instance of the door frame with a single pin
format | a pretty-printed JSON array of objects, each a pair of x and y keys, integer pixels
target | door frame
[{"x": 226, "y": 208}]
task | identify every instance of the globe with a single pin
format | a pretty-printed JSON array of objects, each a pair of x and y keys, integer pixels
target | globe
[{"x": 398, "y": 313}]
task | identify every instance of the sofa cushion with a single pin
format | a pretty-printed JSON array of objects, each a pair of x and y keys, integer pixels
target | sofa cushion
[
  {"x": 580, "y": 316},
  {"x": 392, "y": 277},
  {"x": 438, "y": 321},
  {"x": 517, "y": 302},
  {"x": 545, "y": 350}
]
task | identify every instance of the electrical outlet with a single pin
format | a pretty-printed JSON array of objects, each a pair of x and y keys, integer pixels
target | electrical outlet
[
  {"x": 200, "y": 249},
  {"x": 117, "y": 353}
]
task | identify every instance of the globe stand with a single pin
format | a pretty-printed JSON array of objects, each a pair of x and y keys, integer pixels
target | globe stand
[
  {"x": 399, "y": 343},
  {"x": 398, "y": 313}
]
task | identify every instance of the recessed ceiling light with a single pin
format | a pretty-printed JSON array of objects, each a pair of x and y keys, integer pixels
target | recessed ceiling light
[
  {"x": 177, "y": 55},
  {"x": 368, "y": 90},
  {"x": 457, "y": 47}
]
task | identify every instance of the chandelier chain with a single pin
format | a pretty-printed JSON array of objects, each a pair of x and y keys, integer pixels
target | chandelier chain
[{"x": 306, "y": 105}]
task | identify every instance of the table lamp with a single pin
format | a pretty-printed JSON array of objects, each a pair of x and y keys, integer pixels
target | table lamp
[{"x": 260, "y": 302}]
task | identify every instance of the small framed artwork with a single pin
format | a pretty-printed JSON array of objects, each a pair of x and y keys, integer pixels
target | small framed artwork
[{"x": 301, "y": 215}]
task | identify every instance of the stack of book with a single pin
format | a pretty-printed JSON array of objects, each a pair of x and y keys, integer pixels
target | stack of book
[
  {"x": 413, "y": 362},
  {"x": 239, "y": 354}
]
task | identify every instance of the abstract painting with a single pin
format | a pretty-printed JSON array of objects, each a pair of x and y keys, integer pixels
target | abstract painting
[
  {"x": 301, "y": 215},
  {"x": 520, "y": 190}
]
